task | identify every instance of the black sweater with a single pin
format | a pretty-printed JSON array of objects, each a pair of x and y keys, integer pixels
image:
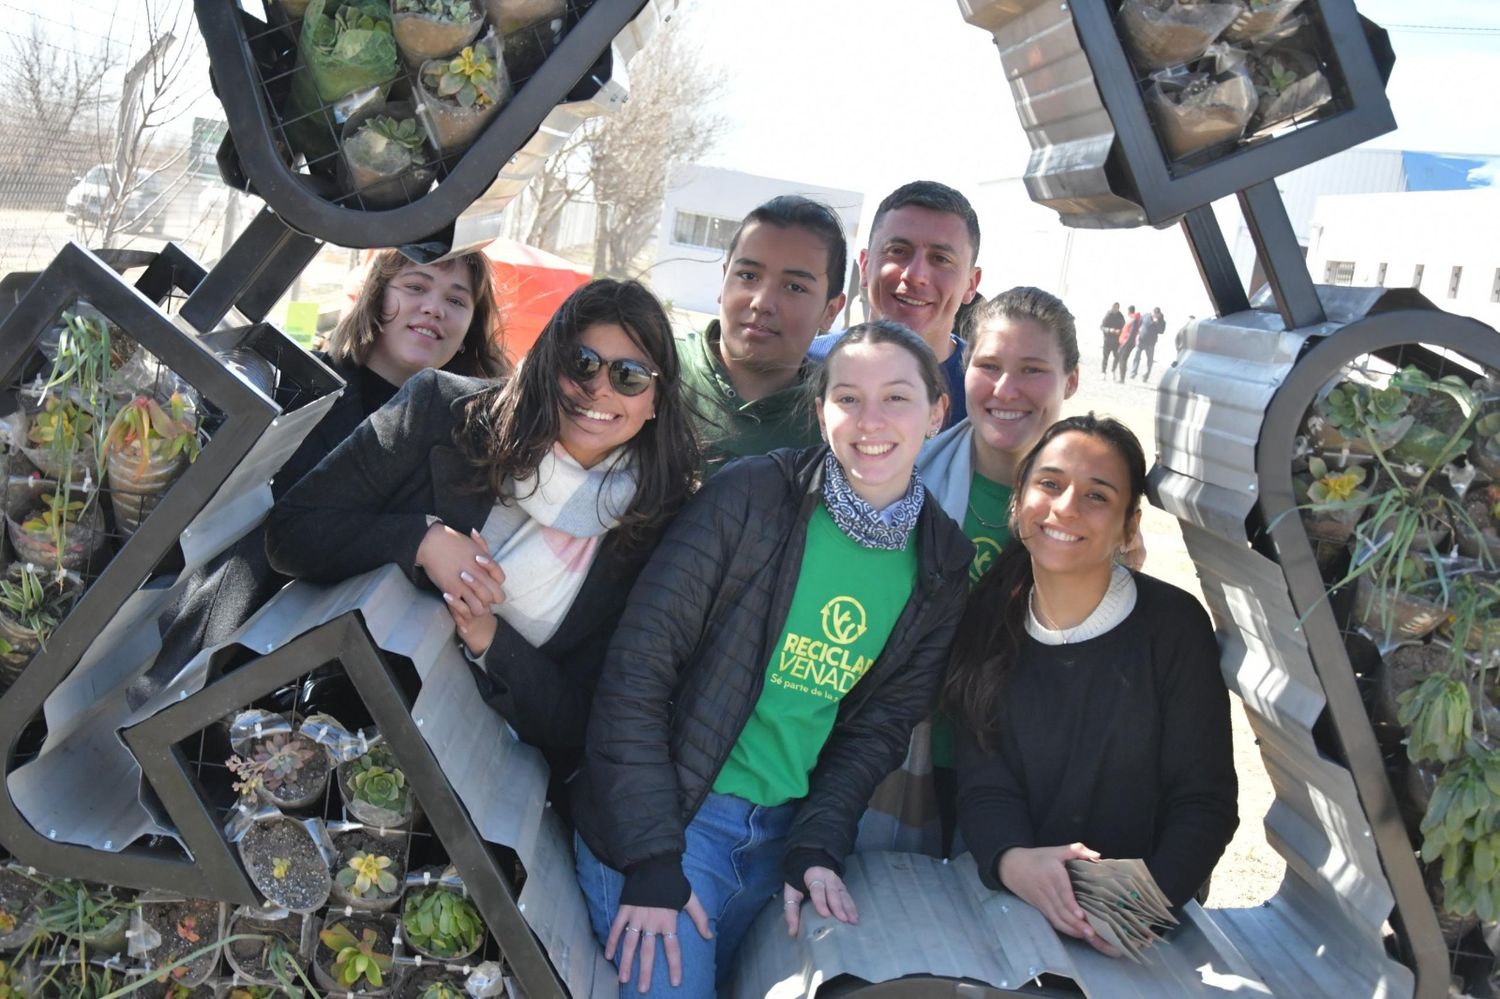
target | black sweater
[{"x": 1121, "y": 742}]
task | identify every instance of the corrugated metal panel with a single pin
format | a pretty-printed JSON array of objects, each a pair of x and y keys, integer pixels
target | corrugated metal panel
[
  {"x": 1060, "y": 109},
  {"x": 922, "y": 916}
]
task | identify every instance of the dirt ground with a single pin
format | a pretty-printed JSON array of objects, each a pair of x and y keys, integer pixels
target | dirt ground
[{"x": 1250, "y": 870}]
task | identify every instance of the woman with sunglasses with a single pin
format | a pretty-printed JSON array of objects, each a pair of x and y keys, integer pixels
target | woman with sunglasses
[
  {"x": 788, "y": 632},
  {"x": 529, "y": 506}
]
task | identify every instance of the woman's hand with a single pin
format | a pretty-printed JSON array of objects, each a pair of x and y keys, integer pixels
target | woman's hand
[
  {"x": 470, "y": 581},
  {"x": 1040, "y": 877},
  {"x": 639, "y": 924},
  {"x": 829, "y": 898}
]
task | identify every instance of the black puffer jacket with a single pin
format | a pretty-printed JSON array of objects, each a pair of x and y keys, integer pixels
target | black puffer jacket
[{"x": 688, "y": 663}]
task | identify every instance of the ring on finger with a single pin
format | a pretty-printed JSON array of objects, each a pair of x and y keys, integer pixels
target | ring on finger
[
  {"x": 648, "y": 934},
  {"x": 669, "y": 936},
  {"x": 791, "y": 902},
  {"x": 632, "y": 929},
  {"x": 813, "y": 884}
]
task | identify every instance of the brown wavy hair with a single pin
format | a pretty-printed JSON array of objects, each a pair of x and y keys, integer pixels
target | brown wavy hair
[
  {"x": 506, "y": 432},
  {"x": 482, "y": 354},
  {"x": 993, "y": 625}
]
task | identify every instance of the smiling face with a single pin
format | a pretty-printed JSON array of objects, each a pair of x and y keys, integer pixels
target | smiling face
[
  {"x": 774, "y": 299},
  {"x": 1015, "y": 386},
  {"x": 1074, "y": 510},
  {"x": 918, "y": 270},
  {"x": 425, "y": 313},
  {"x": 595, "y": 417},
  {"x": 875, "y": 414}
]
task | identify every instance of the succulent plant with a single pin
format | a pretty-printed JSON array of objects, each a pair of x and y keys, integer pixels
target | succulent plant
[
  {"x": 1333, "y": 487},
  {"x": 367, "y": 874},
  {"x": 378, "y": 782},
  {"x": 403, "y": 132},
  {"x": 281, "y": 758},
  {"x": 57, "y": 517},
  {"x": 442, "y": 921},
  {"x": 471, "y": 78},
  {"x": 356, "y": 957},
  {"x": 154, "y": 432},
  {"x": 443, "y": 10},
  {"x": 439, "y": 990}
]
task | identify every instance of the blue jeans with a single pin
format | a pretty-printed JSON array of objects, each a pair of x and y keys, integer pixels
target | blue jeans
[{"x": 733, "y": 862}]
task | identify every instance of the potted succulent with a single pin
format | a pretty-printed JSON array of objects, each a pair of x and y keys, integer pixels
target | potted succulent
[
  {"x": 60, "y": 441},
  {"x": 64, "y": 529},
  {"x": 434, "y": 29},
  {"x": 384, "y": 152},
  {"x": 147, "y": 447},
  {"x": 184, "y": 926},
  {"x": 354, "y": 955},
  {"x": 1288, "y": 85},
  {"x": 31, "y": 605},
  {"x": 95, "y": 917},
  {"x": 460, "y": 95},
  {"x": 369, "y": 870},
  {"x": 1359, "y": 418},
  {"x": 285, "y": 769},
  {"x": 376, "y": 791},
  {"x": 283, "y": 858},
  {"x": 430, "y": 983},
  {"x": 440, "y": 922},
  {"x": 272, "y": 950},
  {"x": 346, "y": 47},
  {"x": 1331, "y": 500}
]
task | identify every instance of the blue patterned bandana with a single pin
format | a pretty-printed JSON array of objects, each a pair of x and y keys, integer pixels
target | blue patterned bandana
[{"x": 861, "y": 521}]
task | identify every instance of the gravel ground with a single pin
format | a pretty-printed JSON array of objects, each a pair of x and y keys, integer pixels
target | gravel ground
[{"x": 1250, "y": 869}]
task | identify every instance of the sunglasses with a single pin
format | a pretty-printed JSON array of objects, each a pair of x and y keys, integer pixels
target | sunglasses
[{"x": 627, "y": 377}]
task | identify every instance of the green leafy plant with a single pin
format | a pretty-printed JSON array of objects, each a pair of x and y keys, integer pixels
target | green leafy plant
[
  {"x": 367, "y": 874},
  {"x": 1374, "y": 416},
  {"x": 61, "y": 427},
  {"x": 73, "y": 909},
  {"x": 1333, "y": 487},
  {"x": 442, "y": 921},
  {"x": 378, "y": 781},
  {"x": 443, "y": 10},
  {"x": 439, "y": 990},
  {"x": 470, "y": 79},
  {"x": 404, "y": 132},
  {"x": 1462, "y": 827},
  {"x": 154, "y": 434},
  {"x": 356, "y": 958},
  {"x": 84, "y": 359},
  {"x": 32, "y": 602},
  {"x": 1440, "y": 716},
  {"x": 56, "y": 517},
  {"x": 1275, "y": 77}
]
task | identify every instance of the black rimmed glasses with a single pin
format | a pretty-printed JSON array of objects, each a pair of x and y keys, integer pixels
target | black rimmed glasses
[{"x": 626, "y": 376}]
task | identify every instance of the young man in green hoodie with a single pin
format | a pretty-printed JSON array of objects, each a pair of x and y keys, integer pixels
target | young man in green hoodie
[{"x": 745, "y": 372}]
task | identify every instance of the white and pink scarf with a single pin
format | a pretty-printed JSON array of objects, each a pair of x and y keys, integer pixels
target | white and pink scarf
[{"x": 545, "y": 538}]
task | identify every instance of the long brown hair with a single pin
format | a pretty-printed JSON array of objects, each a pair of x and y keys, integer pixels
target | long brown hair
[
  {"x": 482, "y": 354},
  {"x": 987, "y": 643},
  {"x": 506, "y": 432}
]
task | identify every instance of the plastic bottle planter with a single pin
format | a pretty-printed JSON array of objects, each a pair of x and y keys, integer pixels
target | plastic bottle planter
[
  {"x": 32, "y": 602},
  {"x": 59, "y": 437},
  {"x": 421, "y": 35},
  {"x": 148, "y": 446},
  {"x": 430, "y": 983},
  {"x": 512, "y": 15},
  {"x": 285, "y": 863},
  {"x": 441, "y": 923},
  {"x": 376, "y": 791},
  {"x": 92, "y": 916},
  {"x": 165, "y": 930},
  {"x": 370, "y": 871},
  {"x": 285, "y": 939},
  {"x": 282, "y": 768},
  {"x": 59, "y": 529},
  {"x": 385, "y": 159},
  {"x": 460, "y": 95},
  {"x": 355, "y": 955}
]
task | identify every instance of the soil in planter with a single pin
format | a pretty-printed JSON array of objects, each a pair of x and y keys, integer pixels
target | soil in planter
[
  {"x": 384, "y": 934},
  {"x": 412, "y": 985},
  {"x": 358, "y": 841},
  {"x": 253, "y": 957},
  {"x": 184, "y": 927},
  {"x": 158, "y": 990},
  {"x": 306, "y": 882}
]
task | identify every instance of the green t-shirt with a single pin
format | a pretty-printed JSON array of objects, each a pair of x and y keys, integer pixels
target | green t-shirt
[
  {"x": 847, "y": 601},
  {"x": 989, "y": 504}
]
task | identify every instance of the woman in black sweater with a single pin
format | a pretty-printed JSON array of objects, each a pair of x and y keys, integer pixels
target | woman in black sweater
[{"x": 1092, "y": 717}]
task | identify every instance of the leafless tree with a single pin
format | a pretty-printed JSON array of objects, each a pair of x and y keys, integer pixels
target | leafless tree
[
  {"x": 54, "y": 86},
  {"x": 623, "y": 162}
]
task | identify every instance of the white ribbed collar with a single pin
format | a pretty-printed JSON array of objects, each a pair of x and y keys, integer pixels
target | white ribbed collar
[{"x": 1118, "y": 602}]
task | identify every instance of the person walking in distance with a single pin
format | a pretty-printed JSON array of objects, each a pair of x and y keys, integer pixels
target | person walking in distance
[
  {"x": 1151, "y": 330},
  {"x": 1111, "y": 325},
  {"x": 1128, "y": 337}
]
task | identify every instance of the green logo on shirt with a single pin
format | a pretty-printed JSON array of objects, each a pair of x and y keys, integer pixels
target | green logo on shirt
[{"x": 843, "y": 620}]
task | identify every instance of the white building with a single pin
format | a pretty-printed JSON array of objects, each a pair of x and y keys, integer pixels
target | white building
[
  {"x": 1025, "y": 243},
  {"x": 702, "y": 209},
  {"x": 1439, "y": 242}
]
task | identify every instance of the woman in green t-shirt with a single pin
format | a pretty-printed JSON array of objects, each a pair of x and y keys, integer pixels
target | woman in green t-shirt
[
  {"x": 1020, "y": 365},
  {"x": 789, "y": 630}
]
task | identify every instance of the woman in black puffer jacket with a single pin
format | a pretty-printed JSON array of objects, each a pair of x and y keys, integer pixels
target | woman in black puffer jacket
[{"x": 790, "y": 629}]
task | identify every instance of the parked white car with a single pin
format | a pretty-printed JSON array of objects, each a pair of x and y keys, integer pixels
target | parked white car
[{"x": 145, "y": 205}]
